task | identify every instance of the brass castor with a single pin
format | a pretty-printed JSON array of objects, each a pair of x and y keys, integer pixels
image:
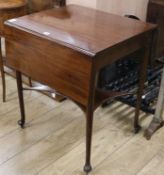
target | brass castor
[
  {"x": 87, "y": 168},
  {"x": 21, "y": 123}
]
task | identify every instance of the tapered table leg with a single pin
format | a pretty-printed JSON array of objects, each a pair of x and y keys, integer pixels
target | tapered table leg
[
  {"x": 2, "y": 74},
  {"x": 3, "y": 83},
  {"x": 142, "y": 78},
  {"x": 89, "y": 127},
  {"x": 21, "y": 99}
]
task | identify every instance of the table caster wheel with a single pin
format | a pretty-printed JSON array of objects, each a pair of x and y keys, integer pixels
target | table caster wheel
[
  {"x": 21, "y": 123},
  {"x": 137, "y": 129},
  {"x": 87, "y": 168}
]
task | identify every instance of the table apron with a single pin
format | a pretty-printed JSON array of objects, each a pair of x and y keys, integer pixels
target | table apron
[
  {"x": 123, "y": 49},
  {"x": 61, "y": 68}
]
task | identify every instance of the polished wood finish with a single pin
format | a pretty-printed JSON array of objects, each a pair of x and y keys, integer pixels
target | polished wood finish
[
  {"x": 156, "y": 15},
  {"x": 33, "y": 6},
  {"x": 11, "y": 9},
  {"x": 8, "y": 9},
  {"x": 11, "y": 4},
  {"x": 36, "y": 6},
  {"x": 87, "y": 36},
  {"x": 66, "y": 49}
]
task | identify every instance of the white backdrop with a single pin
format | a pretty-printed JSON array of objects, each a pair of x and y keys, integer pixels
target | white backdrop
[{"x": 120, "y": 7}]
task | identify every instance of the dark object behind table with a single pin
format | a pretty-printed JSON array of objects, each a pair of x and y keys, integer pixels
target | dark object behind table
[
  {"x": 38, "y": 5},
  {"x": 156, "y": 15},
  {"x": 124, "y": 75}
]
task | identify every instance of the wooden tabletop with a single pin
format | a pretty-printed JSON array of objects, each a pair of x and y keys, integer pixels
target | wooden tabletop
[
  {"x": 10, "y": 4},
  {"x": 81, "y": 28}
]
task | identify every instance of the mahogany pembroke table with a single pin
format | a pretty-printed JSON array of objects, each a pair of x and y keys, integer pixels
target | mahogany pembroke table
[{"x": 65, "y": 49}]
